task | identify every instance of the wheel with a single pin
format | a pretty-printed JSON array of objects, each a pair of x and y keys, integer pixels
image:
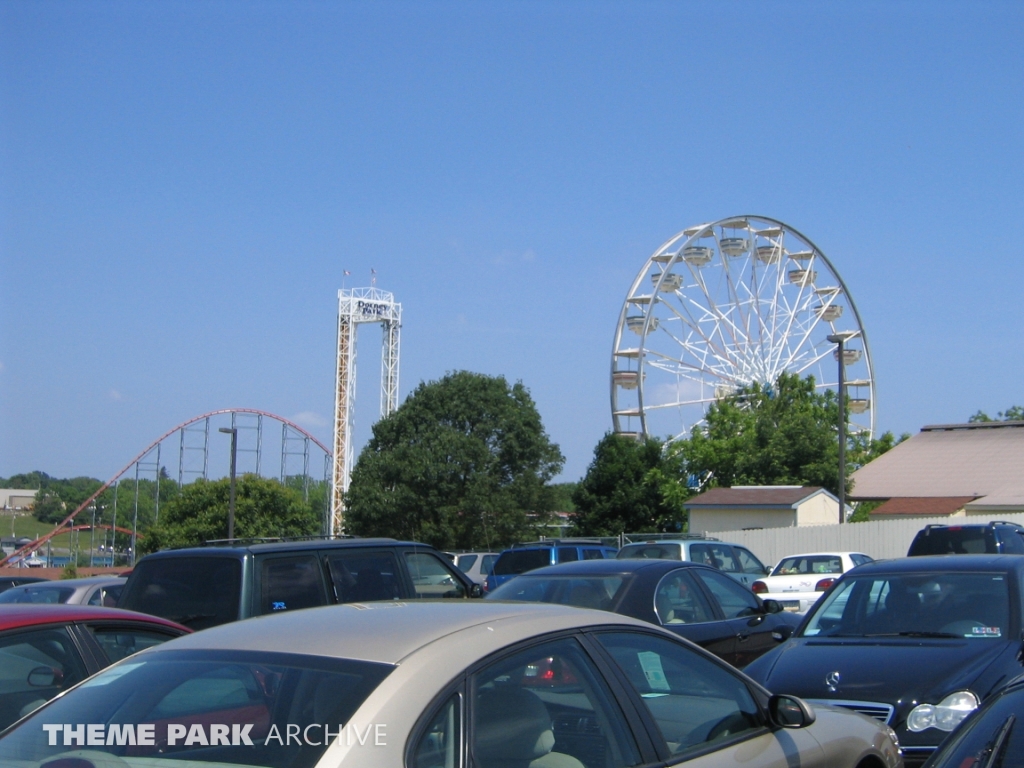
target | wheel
[{"x": 722, "y": 305}]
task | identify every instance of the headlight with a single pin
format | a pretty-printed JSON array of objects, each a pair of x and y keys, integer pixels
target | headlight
[{"x": 946, "y": 715}]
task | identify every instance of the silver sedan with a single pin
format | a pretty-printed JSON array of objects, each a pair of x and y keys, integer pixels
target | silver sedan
[{"x": 437, "y": 685}]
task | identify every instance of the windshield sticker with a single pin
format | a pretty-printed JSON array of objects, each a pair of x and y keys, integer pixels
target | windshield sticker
[
  {"x": 650, "y": 662},
  {"x": 986, "y": 632}
]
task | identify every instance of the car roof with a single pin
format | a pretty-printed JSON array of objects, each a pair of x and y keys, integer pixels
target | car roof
[
  {"x": 708, "y": 540},
  {"x": 388, "y": 632},
  {"x": 613, "y": 566},
  {"x": 240, "y": 549},
  {"x": 85, "y": 581},
  {"x": 15, "y": 615},
  {"x": 930, "y": 563},
  {"x": 821, "y": 554}
]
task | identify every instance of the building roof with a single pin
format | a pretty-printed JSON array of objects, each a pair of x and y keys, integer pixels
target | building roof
[
  {"x": 755, "y": 496},
  {"x": 948, "y": 460},
  {"x": 923, "y": 505}
]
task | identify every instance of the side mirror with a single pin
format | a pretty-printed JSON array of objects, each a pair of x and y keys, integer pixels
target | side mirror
[
  {"x": 789, "y": 711},
  {"x": 772, "y": 606},
  {"x": 476, "y": 591},
  {"x": 45, "y": 677}
]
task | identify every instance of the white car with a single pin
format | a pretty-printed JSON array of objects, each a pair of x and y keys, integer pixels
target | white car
[
  {"x": 444, "y": 684},
  {"x": 798, "y": 581}
]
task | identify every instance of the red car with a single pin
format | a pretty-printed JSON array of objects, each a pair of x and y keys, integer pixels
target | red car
[{"x": 45, "y": 649}]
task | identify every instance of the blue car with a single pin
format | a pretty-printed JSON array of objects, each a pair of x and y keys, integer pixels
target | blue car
[{"x": 538, "y": 554}]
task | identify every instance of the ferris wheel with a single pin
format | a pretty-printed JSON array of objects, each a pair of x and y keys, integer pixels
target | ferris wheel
[{"x": 726, "y": 304}]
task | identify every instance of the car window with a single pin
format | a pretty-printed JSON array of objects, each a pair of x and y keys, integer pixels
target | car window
[
  {"x": 431, "y": 577},
  {"x": 591, "y": 553},
  {"x": 106, "y": 595},
  {"x": 35, "y": 666},
  {"x": 198, "y": 592},
  {"x": 217, "y": 693},
  {"x": 694, "y": 701},
  {"x": 487, "y": 564},
  {"x": 548, "y": 706},
  {"x": 960, "y": 605},
  {"x": 861, "y": 559},
  {"x": 567, "y": 554},
  {"x": 120, "y": 642},
  {"x": 678, "y": 600},
  {"x": 651, "y": 552},
  {"x": 716, "y": 555},
  {"x": 440, "y": 745},
  {"x": 290, "y": 583},
  {"x": 517, "y": 561},
  {"x": 809, "y": 564},
  {"x": 749, "y": 563},
  {"x": 735, "y": 600},
  {"x": 465, "y": 562},
  {"x": 361, "y": 577},
  {"x": 48, "y": 595},
  {"x": 597, "y": 592}
]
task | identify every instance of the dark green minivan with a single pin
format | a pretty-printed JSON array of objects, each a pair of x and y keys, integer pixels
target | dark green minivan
[{"x": 205, "y": 586}]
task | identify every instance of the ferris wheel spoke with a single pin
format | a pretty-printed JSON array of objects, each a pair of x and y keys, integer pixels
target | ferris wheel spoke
[{"x": 696, "y": 327}]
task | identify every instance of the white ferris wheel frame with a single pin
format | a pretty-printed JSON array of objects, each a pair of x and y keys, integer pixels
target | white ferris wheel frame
[{"x": 752, "y": 337}]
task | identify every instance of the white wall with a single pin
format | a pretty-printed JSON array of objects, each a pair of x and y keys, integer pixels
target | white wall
[
  {"x": 879, "y": 539},
  {"x": 818, "y": 510},
  {"x": 734, "y": 519}
]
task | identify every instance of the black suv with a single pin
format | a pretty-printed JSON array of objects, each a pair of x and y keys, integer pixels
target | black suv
[
  {"x": 206, "y": 586},
  {"x": 995, "y": 538}
]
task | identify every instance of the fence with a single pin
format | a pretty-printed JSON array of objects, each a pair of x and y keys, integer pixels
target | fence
[{"x": 879, "y": 539}]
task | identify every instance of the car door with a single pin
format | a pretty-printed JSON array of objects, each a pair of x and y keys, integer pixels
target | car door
[
  {"x": 719, "y": 556},
  {"x": 700, "y": 711},
  {"x": 431, "y": 577},
  {"x": 360, "y": 575},
  {"x": 289, "y": 582},
  {"x": 753, "y": 569},
  {"x": 744, "y": 615}
]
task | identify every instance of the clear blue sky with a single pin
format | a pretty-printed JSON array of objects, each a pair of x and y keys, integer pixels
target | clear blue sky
[{"x": 182, "y": 185}]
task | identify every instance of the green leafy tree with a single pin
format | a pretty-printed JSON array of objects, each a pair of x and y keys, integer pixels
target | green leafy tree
[
  {"x": 630, "y": 486},
  {"x": 562, "y": 494},
  {"x": 49, "y": 508},
  {"x": 1013, "y": 413},
  {"x": 786, "y": 434},
  {"x": 463, "y": 463},
  {"x": 263, "y": 507}
]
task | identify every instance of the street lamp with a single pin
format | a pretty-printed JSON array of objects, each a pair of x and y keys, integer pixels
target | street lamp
[
  {"x": 233, "y": 431},
  {"x": 839, "y": 339}
]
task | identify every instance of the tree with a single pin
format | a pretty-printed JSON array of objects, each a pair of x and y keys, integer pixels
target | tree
[
  {"x": 630, "y": 486},
  {"x": 463, "y": 463},
  {"x": 786, "y": 434},
  {"x": 1013, "y": 413},
  {"x": 263, "y": 507}
]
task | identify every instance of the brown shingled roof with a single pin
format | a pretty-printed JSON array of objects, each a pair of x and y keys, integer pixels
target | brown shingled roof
[
  {"x": 923, "y": 505},
  {"x": 753, "y": 496}
]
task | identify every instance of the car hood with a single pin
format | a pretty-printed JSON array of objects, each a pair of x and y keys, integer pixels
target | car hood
[{"x": 875, "y": 669}]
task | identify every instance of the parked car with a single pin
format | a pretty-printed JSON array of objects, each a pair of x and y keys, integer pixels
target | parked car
[
  {"x": 537, "y": 554},
  {"x": 46, "y": 649},
  {"x": 205, "y": 586},
  {"x": 92, "y": 590},
  {"x": 991, "y": 737},
  {"x": 6, "y": 582},
  {"x": 995, "y": 538},
  {"x": 476, "y": 565},
  {"x": 799, "y": 580},
  {"x": 917, "y": 642},
  {"x": 733, "y": 559},
  {"x": 439, "y": 685},
  {"x": 692, "y": 600}
]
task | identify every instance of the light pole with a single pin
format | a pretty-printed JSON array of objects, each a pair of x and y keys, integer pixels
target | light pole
[
  {"x": 233, "y": 431},
  {"x": 840, "y": 339}
]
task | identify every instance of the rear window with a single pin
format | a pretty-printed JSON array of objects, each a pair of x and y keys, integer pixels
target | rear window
[
  {"x": 51, "y": 595},
  {"x": 518, "y": 561},
  {"x": 651, "y": 552},
  {"x": 198, "y": 592},
  {"x": 953, "y": 541},
  {"x": 146, "y": 706},
  {"x": 597, "y": 592}
]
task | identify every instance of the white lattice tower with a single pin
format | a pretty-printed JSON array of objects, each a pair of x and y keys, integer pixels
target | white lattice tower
[{"x": 357, "y": 306}]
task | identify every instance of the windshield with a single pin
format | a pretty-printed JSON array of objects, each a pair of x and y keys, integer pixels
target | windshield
[
  {"x": 963, "y": 605},
  {"x": 46, "y": 594},
  {"x": 518, "y": 561},
  {"x": 581, "y": 591},
  {"x": 203, "y": 707}
]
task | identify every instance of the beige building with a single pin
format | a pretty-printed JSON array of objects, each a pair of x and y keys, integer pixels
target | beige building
[
  {"x": 17, "y": 498},
  {"x": 954, "y": 470},
  {"x": 747, "y": 507}
]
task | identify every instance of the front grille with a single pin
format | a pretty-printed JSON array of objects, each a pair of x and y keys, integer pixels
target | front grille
[{"x": 877, "y": 710}]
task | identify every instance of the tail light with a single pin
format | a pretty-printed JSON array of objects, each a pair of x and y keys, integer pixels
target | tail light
[
  {"x": 759, "y": 588},
  {"x": 824, "y": 584}
]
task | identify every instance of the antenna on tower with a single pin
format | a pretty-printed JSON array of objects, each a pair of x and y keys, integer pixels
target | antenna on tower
[{"x": 357, "y": 306}]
